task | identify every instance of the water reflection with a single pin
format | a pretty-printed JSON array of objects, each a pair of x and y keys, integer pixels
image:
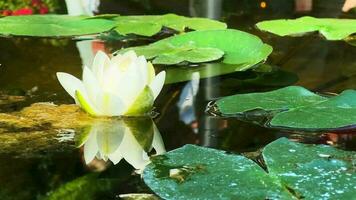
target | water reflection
[{"x": 131, "y": 139}]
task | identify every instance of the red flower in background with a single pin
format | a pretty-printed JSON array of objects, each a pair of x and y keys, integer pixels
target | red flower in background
[
  {"x": 6, "y": 12},
  {"x": 43, "y": 10},
  {"x": 23, "y": 11},
  {"x": 36, "y": 3}
]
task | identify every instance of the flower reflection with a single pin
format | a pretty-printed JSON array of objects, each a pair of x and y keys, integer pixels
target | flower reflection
[{"x": 131, "y": 139}]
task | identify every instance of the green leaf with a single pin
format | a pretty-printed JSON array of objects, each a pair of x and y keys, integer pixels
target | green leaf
[
  {"x": 52, "y": 25},
  {"x": 195, "y": 55},
  {"x": 238, "y": 47},
  {"x": 193, "y": 172},
  {"x": 275, "y": 101},
  {"x": 295, "y": 171},
  {"x": 142, "y": 104},
  {"x": 332, "y": 29},
  {"x": 64, "y": 25},
  {"x": 294, "y": 108},
  {"x": 312, "y": 171},
  {"x": 336, "y": 113}
]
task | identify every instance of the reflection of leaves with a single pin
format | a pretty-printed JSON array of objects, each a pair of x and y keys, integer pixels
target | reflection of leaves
[
  {"x": 351, "y": 40},
  {"x": 295, "y": 107},
  {"x": 64, "y": 25},
  {"x": 238, "y": 48},
  {"x": 301, "y": 171},
  {"x": 332, "y": 29}
]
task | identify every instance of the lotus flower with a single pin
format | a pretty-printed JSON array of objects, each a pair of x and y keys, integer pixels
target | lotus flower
[
  {"x": 129, "y": 139},
  {"x": 124, "y": 85}
]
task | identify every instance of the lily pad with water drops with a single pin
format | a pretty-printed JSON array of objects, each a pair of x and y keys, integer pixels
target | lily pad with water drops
[
  {"x": 295, "y": 171},
  {"x": 193, "y": 172},
  {"x": 294, "y": 108},
  {"x": 331, "y": 29},
  {"x": 233, "y": 46},
  {"x": 312, "y": 171}
]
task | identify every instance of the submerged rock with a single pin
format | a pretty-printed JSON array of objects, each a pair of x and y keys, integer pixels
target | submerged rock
[{"x": 41, "y": 127}]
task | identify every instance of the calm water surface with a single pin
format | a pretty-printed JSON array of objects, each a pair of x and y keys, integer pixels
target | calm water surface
[{"x": 33, "y": 165}]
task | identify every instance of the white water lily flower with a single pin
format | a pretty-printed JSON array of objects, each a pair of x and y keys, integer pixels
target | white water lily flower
[
  {"x": 117, "y": 140},
  {"x": 124, "y": 85}
]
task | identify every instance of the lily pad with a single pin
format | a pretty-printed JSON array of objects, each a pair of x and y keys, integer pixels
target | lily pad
[
  {"x": 53, "y": 25},
  {"x": 331, "y": 29},
  {"x": 67, "y": 26},
  {"x": 295, "y": 171},
  {"x": 336, "y": 113},
  {"x": 238, "y": 47},
  {"x": 312, "y": 171},
  {"x": 212, "y": 174},
  {"x": 294, "y": 108},
  {"x": 275, "y": 101},
  {"x": 149, "y": 25}
]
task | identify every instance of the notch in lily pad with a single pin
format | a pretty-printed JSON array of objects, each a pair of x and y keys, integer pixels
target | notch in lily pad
[
  {"x": 294, "y": 171},
  {"x": 294, "y": 108},
  {"x": 231, "y": 46}
]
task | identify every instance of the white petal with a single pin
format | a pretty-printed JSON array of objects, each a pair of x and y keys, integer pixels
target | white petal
[
  {"x": 157, "y": 83},
  {"x": 143, "y": 68},
  {"x": 110, "y": 104},
  {"x": 70, "y": 83},
  {"x": 91, "y": 84},
  {"x": 157, "y": 142},
  {"x": 90, "y": 147},
  {"x": 130, "y": 85},
  {"x": 100, "y": 63},
  {"x": 132, "y": 151}
]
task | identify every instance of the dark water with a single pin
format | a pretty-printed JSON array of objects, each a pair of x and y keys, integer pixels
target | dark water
[{"x": 28, "y": 68}]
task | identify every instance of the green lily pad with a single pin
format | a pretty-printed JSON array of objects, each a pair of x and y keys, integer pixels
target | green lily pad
[
  {"x": 66, "y": 26},
  {"x": 149, "y": 25},
  {"x": 336, "y": 113},
  {"x": 294, "y": 108},
  {"x": 312, "y": 171},
  {"x": 331, "y": 29},
  {"x": 275, "y": 101},
  {"x": 52, "y": 25},
  {"x": 238, "y": 48},
  {"x": 295, "y": 171},
  {"x": 212, "y": 174}
]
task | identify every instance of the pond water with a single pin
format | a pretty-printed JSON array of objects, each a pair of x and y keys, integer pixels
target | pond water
[{"x": 37, "y": 162}]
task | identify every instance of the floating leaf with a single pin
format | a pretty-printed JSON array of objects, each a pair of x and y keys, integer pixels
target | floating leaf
[
  {"x": 336, "y": 113},
  {"x": 295, "y": 108},
  {"x": 238, "y": 47},
  {"x": 275, "y": 101},
  {"x": 312, "y": 171},
  {"x": 332, "y": 29},
  {"x": 64, "y": 25},
  {"x": 212, "y": 174},
  {"x": 149, "y": 25},
  {"x": 52, "y": 25},
  {"x": 296, "y": 171}
]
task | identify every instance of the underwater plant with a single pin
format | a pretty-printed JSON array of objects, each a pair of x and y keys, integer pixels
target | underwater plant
[{"x": 123, "y": 85}]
